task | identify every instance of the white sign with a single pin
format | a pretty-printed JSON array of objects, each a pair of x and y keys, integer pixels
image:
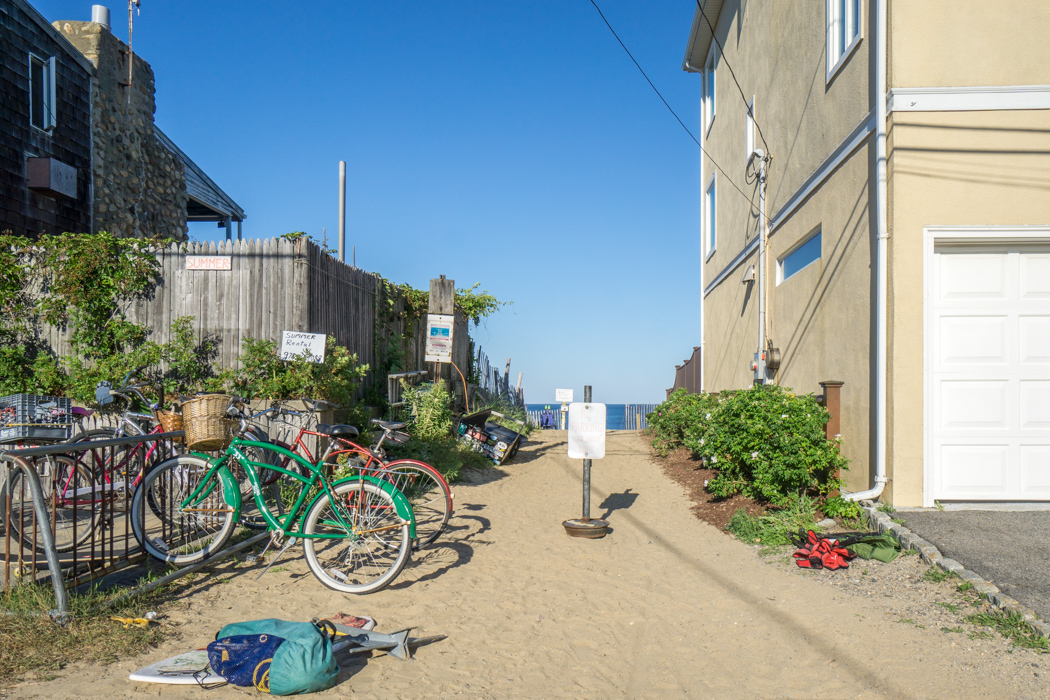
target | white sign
[
  {"x": 302, "y": 345},
  {"x": 563, "y": 395},
  {"x": 208, "y": 262},
  {"x": 439, "y": 338},
  {"x": 587, "y": 430}
]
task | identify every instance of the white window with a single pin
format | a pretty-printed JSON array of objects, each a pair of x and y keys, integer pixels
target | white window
[
  {"x": 709, "y": 89},
  {"x": 710, "y": 219},
  {"x": 800, "y": 257},
  {"x": 844, "y": 24},
  {"x": 42, "y": 92},
  {"x": 749, "y": 131}
]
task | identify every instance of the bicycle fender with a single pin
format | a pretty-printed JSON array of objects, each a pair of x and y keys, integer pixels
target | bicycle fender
[
  {"x": 231, "y": 492},
  {"x": 401, "y": 504}
]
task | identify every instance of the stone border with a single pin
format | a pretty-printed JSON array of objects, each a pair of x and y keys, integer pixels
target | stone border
[{"x": 932, "y": 556}]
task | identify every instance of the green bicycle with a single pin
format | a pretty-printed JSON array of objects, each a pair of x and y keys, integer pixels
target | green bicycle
[{"x": 357, "y": 532}]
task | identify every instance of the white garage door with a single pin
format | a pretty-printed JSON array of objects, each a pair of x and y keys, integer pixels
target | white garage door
[{"x": 990, "y": 364}]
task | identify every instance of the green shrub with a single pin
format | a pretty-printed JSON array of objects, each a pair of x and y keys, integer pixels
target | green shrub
[
  {"x": 264, "y": 374},
  {"x": 766, "y": 443},
  {"x": 843, "y": 509},
  {"x": 431, "y": 429},
  {"x": 682, "y": 415}
]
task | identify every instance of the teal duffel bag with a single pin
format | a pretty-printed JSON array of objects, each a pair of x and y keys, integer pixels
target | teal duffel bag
[{"x": 275, "y": 656}]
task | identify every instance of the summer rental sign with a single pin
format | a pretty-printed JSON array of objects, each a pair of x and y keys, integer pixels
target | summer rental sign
[{"x": 302, "y": 345}]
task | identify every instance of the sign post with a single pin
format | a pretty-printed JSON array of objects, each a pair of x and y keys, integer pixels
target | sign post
[{"x": 586, "y": 442}]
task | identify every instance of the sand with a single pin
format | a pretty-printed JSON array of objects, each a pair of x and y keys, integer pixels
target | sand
[{"x": 665, "y": 606}]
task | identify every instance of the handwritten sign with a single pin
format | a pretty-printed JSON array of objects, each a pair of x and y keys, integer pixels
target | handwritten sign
[
  {"x": 563, "y": 395},
  {"x": 309, "y": 346},
  {"x": 209, "y": 262},
  {"x": 439, "y": 338},
  {"x": 587, "y": 430}
]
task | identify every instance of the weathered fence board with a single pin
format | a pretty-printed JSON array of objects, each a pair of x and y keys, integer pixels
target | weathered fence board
[{"x": 276, "y": 285}]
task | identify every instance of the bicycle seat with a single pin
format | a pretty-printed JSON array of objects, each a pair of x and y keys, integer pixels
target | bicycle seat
[
  {"x": 78, "y": 411},
  {"x": 389, "y": 424},
  {"x": 337, "y": 431}
]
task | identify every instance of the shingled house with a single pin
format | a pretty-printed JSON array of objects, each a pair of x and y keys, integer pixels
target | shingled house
[{"x": 79, "y": 149}]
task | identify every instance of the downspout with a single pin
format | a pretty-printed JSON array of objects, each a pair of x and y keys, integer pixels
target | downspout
[
  {"x": 690, "y": 68},
  {"x": 882, "y": 257}
]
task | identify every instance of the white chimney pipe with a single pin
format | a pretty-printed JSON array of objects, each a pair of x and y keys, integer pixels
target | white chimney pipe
[{"x": 100, "y": 14}]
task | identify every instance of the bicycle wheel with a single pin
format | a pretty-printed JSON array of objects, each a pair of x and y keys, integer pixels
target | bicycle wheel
[
  {"x": 358, "y": 559},
  {"x": 427, "y": 491},
  {"x": 71, "y": 504},
  {"x": 174, "y": 535}
]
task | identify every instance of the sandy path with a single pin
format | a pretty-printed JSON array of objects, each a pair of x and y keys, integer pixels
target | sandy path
[{"x": 665, "y": 606}]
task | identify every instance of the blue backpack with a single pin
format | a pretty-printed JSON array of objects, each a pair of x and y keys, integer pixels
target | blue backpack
[{"x": 275, "y": 656}]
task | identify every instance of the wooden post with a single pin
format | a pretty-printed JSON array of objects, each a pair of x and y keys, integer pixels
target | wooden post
[
  {"x": 832, "y": 402},
  {"x": 442, "y": 301}
]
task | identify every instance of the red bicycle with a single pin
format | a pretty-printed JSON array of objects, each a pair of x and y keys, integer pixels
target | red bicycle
[{"x": 423, "y": 485}]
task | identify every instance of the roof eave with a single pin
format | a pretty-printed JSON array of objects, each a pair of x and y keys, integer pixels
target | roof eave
[{"x": 700, "y": 36}]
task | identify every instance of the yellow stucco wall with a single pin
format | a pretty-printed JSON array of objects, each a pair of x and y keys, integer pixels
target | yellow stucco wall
[
  {"x": 969, "y": 42},
  {"x": 948, "y": 169}
]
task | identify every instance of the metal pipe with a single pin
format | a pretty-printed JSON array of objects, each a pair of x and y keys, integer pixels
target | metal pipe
[
  {"x": 48, "y": 540},
  {"x": 342, "y": 211},
  {"x": 882, "y": 258},
  {"x": 587, "y": 469},
  {"x": 762, "y": 235}
]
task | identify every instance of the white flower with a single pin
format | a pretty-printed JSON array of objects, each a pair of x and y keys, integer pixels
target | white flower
[
  {"x": 705, "y": 483},
  {"x": 783, "y": 415},
  {"x": 714, "y": 459},
  {"x": 701, "y": 441},
  {"x": 708, "y": 416},
  {"x": 754, "y": 455}
]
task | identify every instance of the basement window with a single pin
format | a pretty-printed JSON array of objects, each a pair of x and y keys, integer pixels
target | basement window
[
  {"x": 801, "y": 257},
  {"x": 42, "y": 92}
]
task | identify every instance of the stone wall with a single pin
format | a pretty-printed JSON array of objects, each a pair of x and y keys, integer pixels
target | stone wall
[{"x": 139, "y": 185}]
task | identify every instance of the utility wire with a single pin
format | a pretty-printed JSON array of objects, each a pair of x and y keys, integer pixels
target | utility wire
[
  {"x": 718, "y": 167},
  {"x": 722, "y": 53}
]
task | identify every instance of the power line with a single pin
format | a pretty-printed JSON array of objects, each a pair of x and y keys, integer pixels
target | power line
[
  {"x": 722, "y": 53},
  {"x": 718, "y": 167}
]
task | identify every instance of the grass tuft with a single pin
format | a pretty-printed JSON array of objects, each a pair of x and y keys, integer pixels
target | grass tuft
[
  {"x": 1012, "y": 626},
  {"x": 936, "y": 575},
  {"x": 773, "y": 528},
  {"x": 31, "y": 645}
]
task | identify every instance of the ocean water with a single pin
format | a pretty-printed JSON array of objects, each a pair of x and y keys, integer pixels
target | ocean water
[{"x": 616, "y": 414}]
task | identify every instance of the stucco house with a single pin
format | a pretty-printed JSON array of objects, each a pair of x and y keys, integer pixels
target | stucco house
[
  {"x": 79, "y": 148},
  {"x": 905, "y": 149}
]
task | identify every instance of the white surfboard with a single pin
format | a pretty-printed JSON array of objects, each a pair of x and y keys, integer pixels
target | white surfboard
[{"x": 190, "y": 668}]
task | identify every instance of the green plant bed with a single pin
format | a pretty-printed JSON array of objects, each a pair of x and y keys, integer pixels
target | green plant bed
[{"x": 773, "y": 528}]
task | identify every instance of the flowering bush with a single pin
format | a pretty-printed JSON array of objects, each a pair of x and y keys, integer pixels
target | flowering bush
[
  {"x": 765, "y": 442},
  {"x": 681, "y": 415}
]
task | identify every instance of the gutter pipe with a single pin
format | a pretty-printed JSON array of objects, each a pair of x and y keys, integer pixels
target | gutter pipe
[{"x": 882, "y": 257}]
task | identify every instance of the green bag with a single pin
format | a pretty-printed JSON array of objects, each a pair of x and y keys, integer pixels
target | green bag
[
  {"x": 884, "y": 547},
  {"x": 302, "y": 663}
]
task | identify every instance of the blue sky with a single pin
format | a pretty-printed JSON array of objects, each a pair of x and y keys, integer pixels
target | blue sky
[{"x": 511, "y": 144}]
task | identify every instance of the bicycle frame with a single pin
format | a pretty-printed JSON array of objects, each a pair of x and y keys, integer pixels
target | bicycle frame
[{"x": 296, "y": 512}]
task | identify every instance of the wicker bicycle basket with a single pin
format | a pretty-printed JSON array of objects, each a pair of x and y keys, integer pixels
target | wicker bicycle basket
[
  {"x": 170, "y": 421},
  {"x": 204, "y": 419}
]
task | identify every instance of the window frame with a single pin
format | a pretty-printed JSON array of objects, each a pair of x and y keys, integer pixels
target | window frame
[
  {"x": 48, "y": 92},
  {"x": 838, "y": 12},
  {"x": 710, "y": 84},
  {"x": 815, "y": 233},
  {"x": 710, "y": 218}
]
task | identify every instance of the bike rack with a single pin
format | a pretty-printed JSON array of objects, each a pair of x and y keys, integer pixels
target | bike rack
[{"x": 19, "y": 459}]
